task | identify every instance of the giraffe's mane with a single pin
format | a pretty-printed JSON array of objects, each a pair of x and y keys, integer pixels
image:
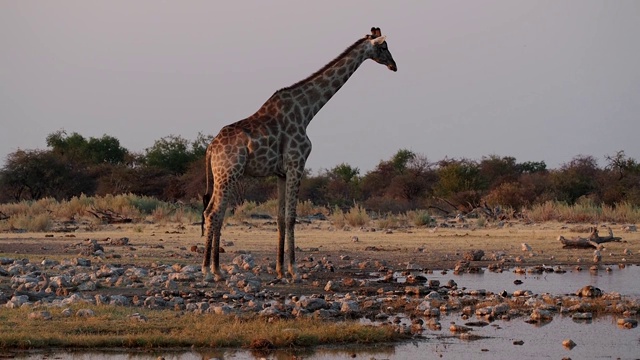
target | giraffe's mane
[{"x": 328, "y": 65}]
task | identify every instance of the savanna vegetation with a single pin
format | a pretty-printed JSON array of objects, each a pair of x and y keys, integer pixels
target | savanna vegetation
[
  {"x": 77, "y": 173},
  {"x": 125, "y": 327}
]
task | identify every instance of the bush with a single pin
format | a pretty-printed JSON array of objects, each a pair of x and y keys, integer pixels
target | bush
[
  {"x": 420, "y": 217},
  {"x": 337, "y": 218},
  {"x": 357, "y": 216}
]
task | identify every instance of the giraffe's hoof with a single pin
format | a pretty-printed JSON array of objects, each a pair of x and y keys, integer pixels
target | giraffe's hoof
[
  {"x": 208, "y": 277},
  {"x": 295, "y": 278},
  {"x": 218, "y": 277}
]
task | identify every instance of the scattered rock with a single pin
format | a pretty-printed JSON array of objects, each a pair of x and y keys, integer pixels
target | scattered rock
[
  {"x": 589, "y": 291},
  {"x": 627, "y": 323},
  {"x": 568, "y": 343},
  {"x": 85, "y": 313},
  {"x": 40, "y": 315},
  {"x": 473, "y": 255}
]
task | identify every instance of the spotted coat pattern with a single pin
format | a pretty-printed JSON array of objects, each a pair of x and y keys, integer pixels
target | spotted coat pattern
[{"x": 274, "y": 141}]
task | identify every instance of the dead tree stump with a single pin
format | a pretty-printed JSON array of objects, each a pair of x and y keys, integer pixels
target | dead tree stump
[{"x": 592, "y": 241}]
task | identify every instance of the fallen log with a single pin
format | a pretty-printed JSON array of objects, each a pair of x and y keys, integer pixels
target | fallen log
[
  {"x": 110, "y": 216},
  {"x": 592, "y": 241}
]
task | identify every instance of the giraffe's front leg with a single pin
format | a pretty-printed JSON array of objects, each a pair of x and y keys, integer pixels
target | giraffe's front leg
[
  {"x": 293, "y": 184},
  {"x": 215, "y": 267},
  {"x": 281, "y": 227}
]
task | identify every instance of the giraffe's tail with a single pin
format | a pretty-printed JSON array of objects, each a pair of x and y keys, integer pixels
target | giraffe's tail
[{"x": 206, "y": 198}]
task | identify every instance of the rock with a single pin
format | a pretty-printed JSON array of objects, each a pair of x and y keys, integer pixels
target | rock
[
  {"x": 348, "y": 282},
  {"x": 91, "y": 247},
  {"x": 49, "y": 263},
  {"x": 630, "y": 228},
  {"x": 349, "y": 307},
  {"x": 582, "y": 316},
  {"x": 87, "y": 286},
  {"x": 17, "y": 301},
  {"x": 81, "y": 262},
  {"x": 123, "y": 241},
  {"x": 432, "y": 312},
  {"x": 312, "y": 304},
  {"x": 627, "y": 323},
  {"x": 270, "y": 312},
  {"x": 473, "y": 255},
  {"x": 568, "y": 343},
  {"x": 40, "y": 315},
  {"x": 181, "y": 277},
  {"x": 138, "y": 317},
  {"x": 459, "y": 328},
  {"x": 324, "y": 314},
  {"x": 589, "y": 291},
  {"x": 541, "y": 315},
  {"x": 434, "y": 295},
  {"x": 414, "y": 290},
  {"x": 119, "y": 300},
  {"x": 526, "y": 247},
  {"x": 85, "y": 313},
  {"x": 331, "y": 286},
  {"x": 597, "y": 256}
]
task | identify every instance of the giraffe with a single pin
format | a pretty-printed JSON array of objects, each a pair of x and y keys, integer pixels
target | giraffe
[{"x": 273, "y": 141}]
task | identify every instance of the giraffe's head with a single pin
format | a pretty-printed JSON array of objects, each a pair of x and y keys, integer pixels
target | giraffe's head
[{"x": 378, "y": 50}]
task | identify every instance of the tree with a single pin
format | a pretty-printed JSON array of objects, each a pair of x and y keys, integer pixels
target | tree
[
  {"x": 106, "y": 149},
  {"x": 531, "y": 167},
  {"x": 200, "y": 144},
  {"x": 342, "y": 186},
  {"x": 497, "y": 170},
  {"x": 455, "y": 176},
  {"x": 170, "y": 153},
  {"x": 401, "y": 159},
  {"x": 73, "y": 146},
  {"x": 94, "y": 151},
  {"x": 621, "y": 180},
  {"x": 577, "y": 178},
  {"x": 35, "y": 174}
]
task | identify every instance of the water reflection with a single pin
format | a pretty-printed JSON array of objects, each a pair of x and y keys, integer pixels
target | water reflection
[
  {"x": 624, "y": 281},
  {"x": 599, "y": 337}
]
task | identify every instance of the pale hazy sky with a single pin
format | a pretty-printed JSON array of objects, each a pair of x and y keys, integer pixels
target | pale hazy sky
[{"x": 537, "y": 80}]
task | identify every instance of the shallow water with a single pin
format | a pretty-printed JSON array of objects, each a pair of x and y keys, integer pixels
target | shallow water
[
  {"x": 625, "y": 281},
  {"x": 597, "y": 339}
]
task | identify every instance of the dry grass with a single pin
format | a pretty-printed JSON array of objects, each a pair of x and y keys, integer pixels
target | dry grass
[
  {"x": 113, "y": 327},
  {"x": 584, "y": 211}
]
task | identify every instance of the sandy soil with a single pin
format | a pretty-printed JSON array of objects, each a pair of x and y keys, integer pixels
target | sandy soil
[{"x": 425, "y": 247}]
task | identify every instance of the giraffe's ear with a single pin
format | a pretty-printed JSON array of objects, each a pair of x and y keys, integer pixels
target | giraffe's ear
[{"x": 379, "y": 40}]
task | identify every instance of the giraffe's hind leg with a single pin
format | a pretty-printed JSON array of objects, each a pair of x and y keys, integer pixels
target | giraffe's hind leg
[{"x": 214, "y": 216}]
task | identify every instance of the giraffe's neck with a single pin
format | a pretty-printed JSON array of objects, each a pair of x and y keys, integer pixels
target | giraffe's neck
[{"x": 312, "y": 93}]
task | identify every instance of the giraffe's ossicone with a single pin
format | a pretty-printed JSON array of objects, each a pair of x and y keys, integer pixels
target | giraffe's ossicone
[{"x": 274, "y": 141}]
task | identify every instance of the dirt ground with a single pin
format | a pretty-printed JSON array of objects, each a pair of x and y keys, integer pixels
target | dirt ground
[{"x": 426, "y": 248}]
